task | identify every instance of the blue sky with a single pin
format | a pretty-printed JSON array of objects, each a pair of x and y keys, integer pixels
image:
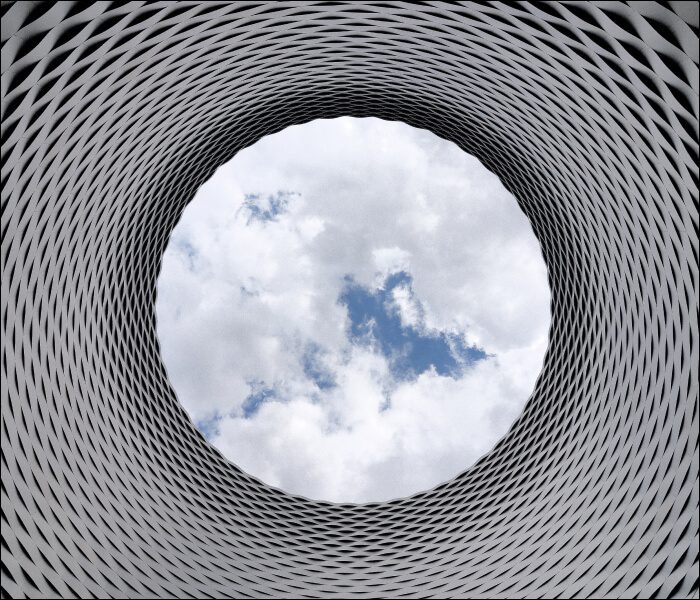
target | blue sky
[
  {"x": 353, "y": 310},
  {"x": 410, "y": 350},
  {"x": 265, "y": 207},
  {"x": 374, "y": 321}
]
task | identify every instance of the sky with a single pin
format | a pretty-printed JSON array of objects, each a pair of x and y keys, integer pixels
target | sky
[{"x": 353, "y": 310}]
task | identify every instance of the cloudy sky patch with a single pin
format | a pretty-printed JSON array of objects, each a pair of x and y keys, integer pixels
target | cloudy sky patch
[{"x": 353, "y": 310}]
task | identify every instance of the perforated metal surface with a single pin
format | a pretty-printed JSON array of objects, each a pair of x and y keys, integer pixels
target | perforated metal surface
[{"x": 114, "y": 114}]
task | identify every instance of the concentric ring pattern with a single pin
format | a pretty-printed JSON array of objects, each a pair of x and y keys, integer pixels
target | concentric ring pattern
[{"x": 114, "y": 113}]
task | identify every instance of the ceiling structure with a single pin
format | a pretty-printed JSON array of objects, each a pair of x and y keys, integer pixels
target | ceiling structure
[{"x": 114, "y": 113}]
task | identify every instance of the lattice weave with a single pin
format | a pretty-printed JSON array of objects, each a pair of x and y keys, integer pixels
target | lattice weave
[{"x": 115, "y": 113}]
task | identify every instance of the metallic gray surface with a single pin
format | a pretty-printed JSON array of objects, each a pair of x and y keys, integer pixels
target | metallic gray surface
[{"x": 114, "y": 114}]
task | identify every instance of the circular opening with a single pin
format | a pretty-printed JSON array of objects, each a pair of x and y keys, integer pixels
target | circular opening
[{"x": 353, "y": 310}]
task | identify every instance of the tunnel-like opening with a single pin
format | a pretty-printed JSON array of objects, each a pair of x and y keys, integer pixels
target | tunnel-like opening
[{"x": 116, "y": 114}]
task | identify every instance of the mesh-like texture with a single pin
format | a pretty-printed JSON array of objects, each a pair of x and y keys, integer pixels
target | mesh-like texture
[{"x": 115, "y": 113}]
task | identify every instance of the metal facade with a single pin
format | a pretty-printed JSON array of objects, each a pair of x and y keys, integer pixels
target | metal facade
[{"x": 115, "y": 113}]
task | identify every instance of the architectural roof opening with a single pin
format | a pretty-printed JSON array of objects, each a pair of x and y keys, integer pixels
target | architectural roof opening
[
  {"x": 353, "y": 310},
  {"x": 115, "y": 114}
]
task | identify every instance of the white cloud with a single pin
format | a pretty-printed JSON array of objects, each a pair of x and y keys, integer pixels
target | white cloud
[
  {"x": 242, "y": 301},
  {"x": 389, "y": 260},
  {"x": 407, "y": 306}
]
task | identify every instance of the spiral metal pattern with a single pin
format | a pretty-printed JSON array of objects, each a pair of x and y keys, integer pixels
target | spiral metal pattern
[{"x": 115, "y": 113}]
